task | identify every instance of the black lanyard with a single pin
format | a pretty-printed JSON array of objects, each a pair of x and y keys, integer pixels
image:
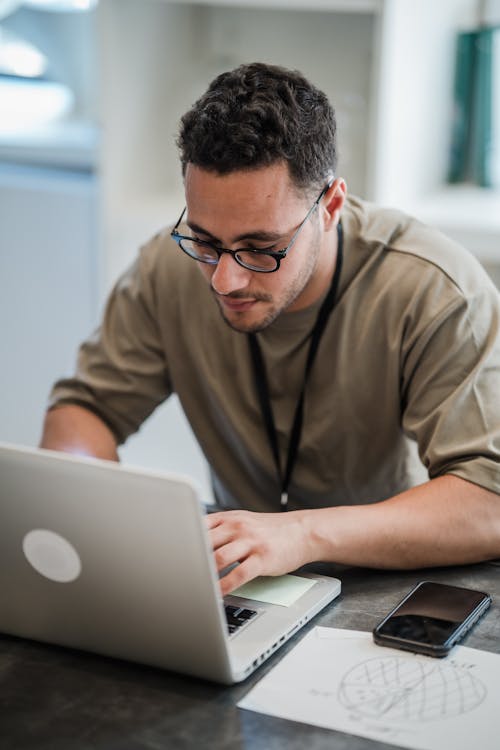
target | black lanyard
[{"x": 261, "y": 382}]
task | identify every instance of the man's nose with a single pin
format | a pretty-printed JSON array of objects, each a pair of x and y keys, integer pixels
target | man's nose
[{"x": 229, "y": 276}]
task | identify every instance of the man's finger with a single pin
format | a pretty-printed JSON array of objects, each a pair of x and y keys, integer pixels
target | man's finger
[
  {"x": 229, "y": 554},
  {"x": 239, "y": 575}
]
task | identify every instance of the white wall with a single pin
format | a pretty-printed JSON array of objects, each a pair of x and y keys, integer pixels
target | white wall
[{"x": 48, "y": 287}]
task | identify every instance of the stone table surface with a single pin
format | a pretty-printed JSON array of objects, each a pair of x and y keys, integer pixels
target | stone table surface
[{"x": 53, "y": 698}]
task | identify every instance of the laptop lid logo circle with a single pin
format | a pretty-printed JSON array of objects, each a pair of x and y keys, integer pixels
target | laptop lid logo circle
[{"x": 52, "y": 556}]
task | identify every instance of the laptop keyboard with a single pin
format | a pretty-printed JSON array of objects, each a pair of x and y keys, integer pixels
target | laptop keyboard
[{"x": 237, "y": 616}]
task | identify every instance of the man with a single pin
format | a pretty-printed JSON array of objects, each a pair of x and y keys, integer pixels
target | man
[{"x": 313, "y": 340}]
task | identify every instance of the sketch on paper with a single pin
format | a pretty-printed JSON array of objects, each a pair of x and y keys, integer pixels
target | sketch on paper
[
  {"x": 339, "y": 679},
  {"x": 401, "y": 689}
]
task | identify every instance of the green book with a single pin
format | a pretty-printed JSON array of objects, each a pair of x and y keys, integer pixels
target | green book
[
  {"x": 488, "y": 109},
  {"x": 460, "y": 164},
  {"x": 482, "y": 120},
  {"x": 495, "y": 130},
  {"x": 475, "y": 138}
]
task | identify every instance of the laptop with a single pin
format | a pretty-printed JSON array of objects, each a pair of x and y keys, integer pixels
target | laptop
[{"x": 117, "y": 561}]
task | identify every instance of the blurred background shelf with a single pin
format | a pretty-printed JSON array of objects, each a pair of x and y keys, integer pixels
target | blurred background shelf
[
  {"x": 336, "y": 6},
  {"x": 469, "y": 214},
  {"x": 69, "y": 144}
]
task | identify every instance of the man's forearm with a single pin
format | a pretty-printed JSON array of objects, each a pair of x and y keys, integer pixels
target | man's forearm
[
  {"x": 73, "y": 429},
  {"x": 446, "y": 521}
]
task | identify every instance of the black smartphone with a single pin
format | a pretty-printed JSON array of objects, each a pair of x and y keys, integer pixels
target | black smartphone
[{"x": 431, "y": 618}]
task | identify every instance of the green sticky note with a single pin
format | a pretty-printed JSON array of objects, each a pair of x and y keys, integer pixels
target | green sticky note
[{"x": 283, "y": 590}]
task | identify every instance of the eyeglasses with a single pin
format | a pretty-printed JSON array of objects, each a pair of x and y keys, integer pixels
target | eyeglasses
[{"x": 262, "y": 261}]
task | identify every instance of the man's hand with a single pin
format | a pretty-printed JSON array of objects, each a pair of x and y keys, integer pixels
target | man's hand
[
  {"x": 263, "y": 544},
  {"x": 445, "y": 521}
]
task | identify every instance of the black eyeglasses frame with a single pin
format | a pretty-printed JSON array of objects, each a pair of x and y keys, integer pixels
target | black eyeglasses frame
[{"x": 277, "y": 255}]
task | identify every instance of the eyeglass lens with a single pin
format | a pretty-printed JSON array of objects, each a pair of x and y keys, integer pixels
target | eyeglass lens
[{"x": 252, "y": 260}]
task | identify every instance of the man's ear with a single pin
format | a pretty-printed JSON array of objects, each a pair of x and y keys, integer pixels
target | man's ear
[{"x": 333, "y": 202}]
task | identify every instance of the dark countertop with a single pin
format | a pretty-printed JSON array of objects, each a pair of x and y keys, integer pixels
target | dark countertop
[{"x": 53, "y": 698}]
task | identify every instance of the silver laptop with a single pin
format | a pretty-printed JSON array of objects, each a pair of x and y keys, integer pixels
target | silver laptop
[{"x": 117, "y": 561}]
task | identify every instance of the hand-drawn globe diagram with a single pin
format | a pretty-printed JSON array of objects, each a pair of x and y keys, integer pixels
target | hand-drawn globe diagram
[{"x": 404, "y": 689}]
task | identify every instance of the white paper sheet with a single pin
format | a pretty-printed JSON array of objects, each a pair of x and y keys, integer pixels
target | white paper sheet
[{"x": 339, "y": 679}]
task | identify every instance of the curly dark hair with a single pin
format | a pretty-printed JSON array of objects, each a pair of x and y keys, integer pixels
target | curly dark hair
[{"x": 258, "y": 115}]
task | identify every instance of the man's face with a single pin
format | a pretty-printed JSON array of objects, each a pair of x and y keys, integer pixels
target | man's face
[{"x": 260, "y": 209}]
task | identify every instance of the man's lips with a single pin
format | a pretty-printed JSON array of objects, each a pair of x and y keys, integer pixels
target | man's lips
[{"x": 236, "y": 305}]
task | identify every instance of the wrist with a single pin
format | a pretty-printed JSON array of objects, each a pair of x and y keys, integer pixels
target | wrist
[{"x": 316, "y": 534}]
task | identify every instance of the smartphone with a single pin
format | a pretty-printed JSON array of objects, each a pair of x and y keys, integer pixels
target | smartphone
[{"x": 431, "y": 618}]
